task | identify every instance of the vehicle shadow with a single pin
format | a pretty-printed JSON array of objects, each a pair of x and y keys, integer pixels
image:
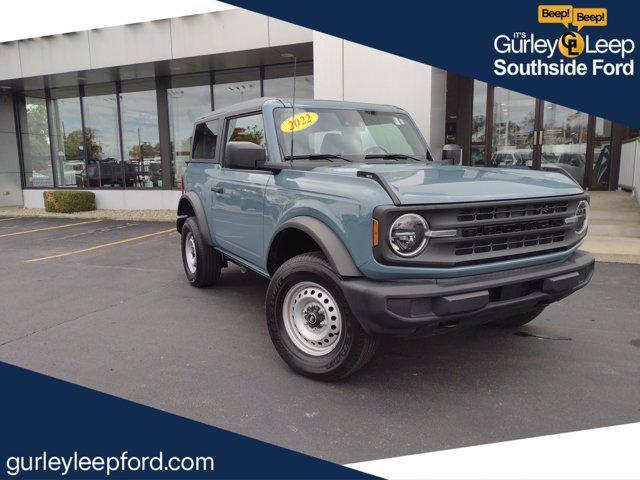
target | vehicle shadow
[{"x": 462, "y": 358}]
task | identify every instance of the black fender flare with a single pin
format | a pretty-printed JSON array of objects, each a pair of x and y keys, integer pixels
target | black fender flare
[
  {"x": 193, "y": 199},
  {"x": 330, "y": 243}
]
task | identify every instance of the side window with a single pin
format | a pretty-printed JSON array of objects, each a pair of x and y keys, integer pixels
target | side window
[
  {"x": 205, "y": 140},
  {"x": 247, "y": 129}
]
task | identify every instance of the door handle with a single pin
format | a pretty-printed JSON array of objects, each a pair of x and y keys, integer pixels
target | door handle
[{"x": 217, "y": 189}]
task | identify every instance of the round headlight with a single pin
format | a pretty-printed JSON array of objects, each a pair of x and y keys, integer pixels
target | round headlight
[
  {"x": 408, "y": 235},
  {"x": 582, "y": 217}
]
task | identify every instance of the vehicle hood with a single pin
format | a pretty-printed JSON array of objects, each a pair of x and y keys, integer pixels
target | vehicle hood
[{"x": 416, "y": 184}]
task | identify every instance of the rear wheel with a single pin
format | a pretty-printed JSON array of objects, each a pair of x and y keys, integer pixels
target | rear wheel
[
  {"x": 515, "y": 321},
  {"x": 310, "y": 322},
  {"x": 202, "y": 264}
]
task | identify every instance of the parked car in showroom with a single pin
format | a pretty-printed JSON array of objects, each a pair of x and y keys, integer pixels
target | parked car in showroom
[
  {"x": 362, "y": 234},
  {"x": 573, "y": 164},
  {"x": 516, "y": 158}
]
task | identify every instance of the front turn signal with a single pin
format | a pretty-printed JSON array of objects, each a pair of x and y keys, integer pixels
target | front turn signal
[{"x": 374, "y": 233}]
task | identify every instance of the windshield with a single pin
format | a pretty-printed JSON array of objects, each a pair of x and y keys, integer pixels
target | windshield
[{"x": 349, "y": 133}]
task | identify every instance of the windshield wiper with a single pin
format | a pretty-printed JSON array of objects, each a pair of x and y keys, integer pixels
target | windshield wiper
[
  {"x": 320, "y": 156},
  {"x": 393, "y": 156}
]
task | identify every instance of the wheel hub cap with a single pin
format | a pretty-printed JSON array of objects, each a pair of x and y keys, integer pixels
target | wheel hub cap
[
  {"x": 312, "y": 318},
  {"x": 190, "y": 252}
]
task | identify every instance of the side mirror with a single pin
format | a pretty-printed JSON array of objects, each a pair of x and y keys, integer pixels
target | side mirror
[{"x": 244, "y": 155}]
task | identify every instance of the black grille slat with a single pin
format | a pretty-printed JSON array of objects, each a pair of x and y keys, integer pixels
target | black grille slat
[
  {"x": 505, "y": 228},
  {"x": 512, "y": 211},
  {"x": 511, "y": 243}
]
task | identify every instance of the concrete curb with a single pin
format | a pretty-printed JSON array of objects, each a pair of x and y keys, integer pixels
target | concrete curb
[
  {"x": 613, "y": 249},
  {"x": 131, "y": 215}
]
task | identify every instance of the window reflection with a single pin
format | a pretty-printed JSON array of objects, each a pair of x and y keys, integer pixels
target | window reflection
[
  {"x": 119, "y": 145},
  {"x": 477, "y": 155},
  {"x": 233, "y": 86},
  {"x": 564, "y": 141},
  {"x": 278, "y": 80},
  {"x": 140, "y": 137},
  {"x": 513, "y": 127},
  {"x": 102, "y": 137},
  {"x": 66, "y": 133},
  {"x": 35, "y": 140},
  {"x": 247, "y": 129},
  {"x": 479, "y": 123},
  {"x": 601, "y": 154},
  {"x": 189, "y": 99}
]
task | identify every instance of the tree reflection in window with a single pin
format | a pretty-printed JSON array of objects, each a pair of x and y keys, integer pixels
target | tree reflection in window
[
  {"x": 248, "y": 134},
  {"x": 35, "y": 141},
  {"x": 247, "y": 129}
]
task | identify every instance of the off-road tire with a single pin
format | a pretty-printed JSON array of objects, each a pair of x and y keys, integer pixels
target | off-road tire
[
  {"x": 208, "y": 260},
  {"x": 515, "y": 321},
  {"x": 354, "y": 347}
]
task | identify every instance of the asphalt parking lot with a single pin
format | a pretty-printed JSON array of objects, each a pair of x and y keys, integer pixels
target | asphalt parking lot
[{"x": 105, "y": 304}]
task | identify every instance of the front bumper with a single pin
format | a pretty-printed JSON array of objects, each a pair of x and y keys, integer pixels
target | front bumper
[{"x": 434, "y": 306}]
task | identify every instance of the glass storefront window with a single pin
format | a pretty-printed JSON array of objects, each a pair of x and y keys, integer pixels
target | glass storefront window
[
  {"x": 478, "y": 123},
  {"x": 564, "y": 141},
  {"x": 189, "y": 99},
  {"x": 601, "y": 154},
  {"x": 233, "y": 86},
  {"x": 140, "y": 135},
  {"x": 513, "y": 127},
  {"x": 477, "y": 155},
  {"x": 38, "y": 171},
  {"x": 66, "y": 134},
  {"x": 278, "y": 80},
  {"x": 102, "y": 136},
  {"x": 510, "y": 129},
  {"x": 478, "y": 127},
  {"x": 119, "y": 144}
]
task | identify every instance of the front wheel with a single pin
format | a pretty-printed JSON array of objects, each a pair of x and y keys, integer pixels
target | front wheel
[{"x": 310, "y": 323}]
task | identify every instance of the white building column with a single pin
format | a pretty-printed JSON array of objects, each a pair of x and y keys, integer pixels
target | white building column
[
  {"x": 10, "y": 185},
  {"x": 348, "y": 71}
]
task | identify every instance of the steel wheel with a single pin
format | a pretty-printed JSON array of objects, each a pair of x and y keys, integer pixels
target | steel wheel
[
  {"x": 190, "y": 253},
  {"x": 312, "y": 318}
]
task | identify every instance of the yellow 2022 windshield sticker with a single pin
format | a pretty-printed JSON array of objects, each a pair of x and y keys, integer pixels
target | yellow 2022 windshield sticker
[{"x": 299, "y": 122}]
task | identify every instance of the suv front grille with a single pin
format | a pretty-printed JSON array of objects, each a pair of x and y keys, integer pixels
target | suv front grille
[
  {"x": 511, "y": 211},
  {"x": 487, "y": 232}
]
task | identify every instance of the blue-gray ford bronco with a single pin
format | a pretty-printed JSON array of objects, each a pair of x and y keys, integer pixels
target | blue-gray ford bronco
[{"x": 362, "y": 233}]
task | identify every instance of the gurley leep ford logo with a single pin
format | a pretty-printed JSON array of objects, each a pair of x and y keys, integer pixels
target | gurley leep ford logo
[
  {"x": 571, "y": 44},
  {"x": 570, "y": 54}
]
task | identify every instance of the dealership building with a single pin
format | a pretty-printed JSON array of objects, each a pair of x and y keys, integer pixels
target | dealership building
[{"x": 111, "y": 109}]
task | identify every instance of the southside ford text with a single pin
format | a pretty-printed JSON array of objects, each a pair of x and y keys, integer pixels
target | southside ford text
[{"x": 528, "y": 45}]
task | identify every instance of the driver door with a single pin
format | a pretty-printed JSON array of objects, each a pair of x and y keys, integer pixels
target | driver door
[{"x": 237, "y": 197}]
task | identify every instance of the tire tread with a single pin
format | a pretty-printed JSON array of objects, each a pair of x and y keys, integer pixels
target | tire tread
[
  {"x": 364, "y": 346},
  {"x": 209, "y": 260}
]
